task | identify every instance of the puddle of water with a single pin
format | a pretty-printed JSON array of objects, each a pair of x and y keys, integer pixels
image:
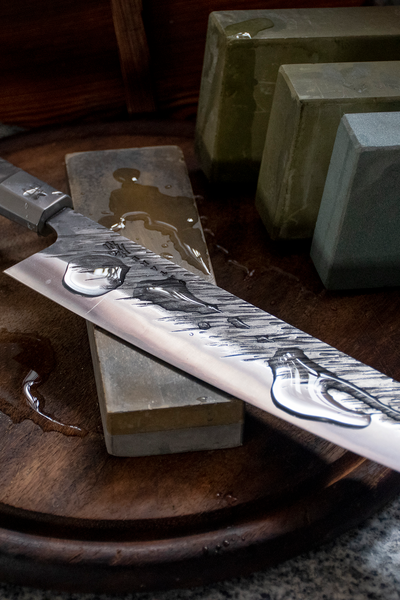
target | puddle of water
[{"x": 26, "y": 362}]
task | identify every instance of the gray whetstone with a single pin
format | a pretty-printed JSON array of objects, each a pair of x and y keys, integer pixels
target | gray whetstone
[
  {"x": 147, "y": 406},
  {"x": 244, "y": 51},
  {"x": 309, "y": 102},
  {"x": 356, "y": 241}
]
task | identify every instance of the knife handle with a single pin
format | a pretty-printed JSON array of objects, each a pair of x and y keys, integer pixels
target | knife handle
[{"x": 27, "y": 200}]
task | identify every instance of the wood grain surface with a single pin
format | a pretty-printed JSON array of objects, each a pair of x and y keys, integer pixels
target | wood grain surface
[
  {"x": 69, "y": 60},
  {"x": 134, "y": 55},
  {"x": 73, "y": 517}
]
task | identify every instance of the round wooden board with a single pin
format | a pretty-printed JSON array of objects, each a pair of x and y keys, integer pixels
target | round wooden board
[{"x": 71, "y": 516}]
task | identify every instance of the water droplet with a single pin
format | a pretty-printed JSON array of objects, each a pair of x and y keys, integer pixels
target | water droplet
[
  {"x": 248, "y": 28},
  {"x": 226, "y": 543},
  {"x": 165, "y": 245},
  {"x": 28, "y": 359},
  {"x": 191, "y": 333},
  {"x": 236, "y": 264},
  {"x": 203, "y": 399},
  {"x": 205, "y": 549},
  {"x": 134, "y": 178},
  {"x": 120, "y": 225},
  {"x": 262, "y": 339},
  {"x": 299, "y": 388},
  {"x": 94, "y": 274},
  {"x": 190, "y": 220},
  {"x": 168, "y": 187},
  {"x": 48, "y": 281},
  {"x": 222, "y": 249},
  {"x": 238, "y": 323},
  {"x": 171, "y": 294},
  {"x": 230, "y": 498},
  {"x": 166, "y": 255},
  {"x": 204, "y": 325}
]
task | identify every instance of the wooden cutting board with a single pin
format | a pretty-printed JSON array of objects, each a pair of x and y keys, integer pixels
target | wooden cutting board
[{"x": 73, "y": 517}]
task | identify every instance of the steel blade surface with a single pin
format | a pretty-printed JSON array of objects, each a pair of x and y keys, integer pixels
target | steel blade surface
[{"x": 200, "y": 328}]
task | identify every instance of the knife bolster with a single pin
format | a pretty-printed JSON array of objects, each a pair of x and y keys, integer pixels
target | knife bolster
[{"x": 27, "y": 200}]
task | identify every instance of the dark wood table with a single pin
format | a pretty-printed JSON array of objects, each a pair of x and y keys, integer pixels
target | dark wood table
[{"x": 71, "y": 516}]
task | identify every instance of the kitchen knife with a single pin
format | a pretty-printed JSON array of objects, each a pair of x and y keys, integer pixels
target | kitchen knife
[{"x": 196, "y": 326}]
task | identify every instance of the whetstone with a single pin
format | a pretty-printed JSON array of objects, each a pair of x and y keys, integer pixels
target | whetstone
[
  {"x": 308, "y": 104},
  {"x": 244, "y": 50},
  {"x": 356, "y": 241},
  {"x": 147, "y": 406}
]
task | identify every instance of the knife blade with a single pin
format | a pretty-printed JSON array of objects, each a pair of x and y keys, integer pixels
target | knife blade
[{"x": 198, "y": 327}]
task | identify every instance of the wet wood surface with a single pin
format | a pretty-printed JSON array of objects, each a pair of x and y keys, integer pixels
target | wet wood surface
[{"x": 73, "y": 517}]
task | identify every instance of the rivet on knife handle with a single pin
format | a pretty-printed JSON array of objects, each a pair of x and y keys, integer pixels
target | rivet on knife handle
[{"x": 27, "y": 200}]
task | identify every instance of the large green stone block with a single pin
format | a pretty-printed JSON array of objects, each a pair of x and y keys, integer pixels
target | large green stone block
[
  {"x": 244, "y": 51},
  {"x": 356, "y": 241},
  {"x": 147, "y": 406},
  {"x": 309, "y": 102}
]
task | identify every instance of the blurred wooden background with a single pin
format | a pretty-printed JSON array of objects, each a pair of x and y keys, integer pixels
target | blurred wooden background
[{"x": 71, "y": 60}]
